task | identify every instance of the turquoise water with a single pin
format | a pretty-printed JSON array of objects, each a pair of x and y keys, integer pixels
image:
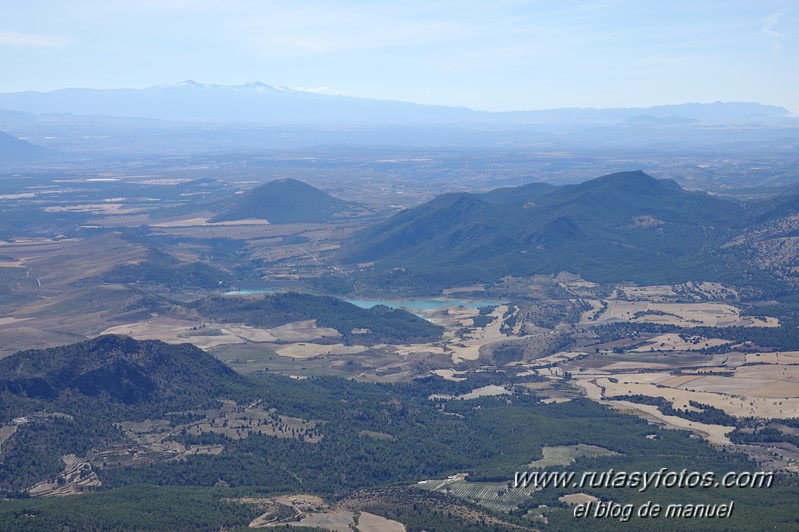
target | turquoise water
[
  {"x": 424, "y": 304},
  {"x": 250, "y": 292},
  {"x": 415, "y": 304}
]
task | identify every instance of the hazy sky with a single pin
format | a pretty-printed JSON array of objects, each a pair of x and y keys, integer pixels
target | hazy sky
[{"x": 496, "y": 55}]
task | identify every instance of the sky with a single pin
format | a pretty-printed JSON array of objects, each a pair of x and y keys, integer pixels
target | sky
[{"x": 489, "y": 55}]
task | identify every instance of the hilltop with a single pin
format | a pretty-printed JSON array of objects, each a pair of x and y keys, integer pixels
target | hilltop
[
  {"x": 284, "y": 201},
  {"x": 117, "y": 367}
]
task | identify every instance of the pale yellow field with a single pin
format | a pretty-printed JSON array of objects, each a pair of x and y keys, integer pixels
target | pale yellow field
[
  {"x": 96, "y": 208},
  {"x": 243, "y": 230},
  {"x": 299, "y": 503},
  {"x": 209, "y": 334},
  {"x": 462, "y": 289},
  {"x": 678, "y": 381},
  {"x": 648, "y": 293},
  {"x": 60, "y": 263},
  {"x": 374, "y": 523},
  {"x": 713, "y": 433},
  {"x": 203, "y": 222},
  {"x": 336, "y": 521},
  {"x": 784, "y": 357},
  {"x": 564, "y": 455},
  {"x": 627, "y": 366},
  {"x": 577, "y": 498},
  {"x": 674, "y": 342},
  {"x": 449, "y": 374},
  {"x": 680, "y": 314},
  {"x": 579, "y": 284},
  {"x": 415, "y": 349},
  {"x": 303, "y": 350},
  {"x": 767, "y": 381},
  {"x": 577, "y": 287},
  {"x": 302, "y": 331},
  {"x": 484, "y": 391},
  {"x": 452, "y": 316},
  {"x": 300, "y": 500},
  {"x": 742, "y": 395},
  {"x": 246, "y": 332},
  {"x": 563, "y": 356},
  {"x": 123, "y": 220},
  {"x": 467, "y": 348},
  {"x": 176, "y": 331}
]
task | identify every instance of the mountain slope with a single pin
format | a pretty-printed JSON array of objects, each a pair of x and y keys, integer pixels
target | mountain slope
[
  {"x": 770, "y": 241},
  {"x": 120, "y": 368},
  {"x": 517, "y": 195},
  {"x": 622, "y": 227},
  {"x": 382, "y": 324},
  {"x": 74, "y": 400},
  {"x": 284, "y": 201},
  {"x": 13, "y": 149}
]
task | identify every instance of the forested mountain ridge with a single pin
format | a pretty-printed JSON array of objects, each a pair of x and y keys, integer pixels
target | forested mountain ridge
[
  {"x": 378, "y": 324},
  {"x": 626, "y": 226},
  {"x": 118, "y": 367}
]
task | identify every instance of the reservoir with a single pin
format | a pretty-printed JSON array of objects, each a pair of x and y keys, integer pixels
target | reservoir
[
  {"x": 251, "y": 292},
  {"x": 423, "y": 305}
]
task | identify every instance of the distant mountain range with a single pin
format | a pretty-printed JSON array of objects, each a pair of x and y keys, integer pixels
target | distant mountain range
[
  {"x": 627, "y": 226},
  {"x": 261, "y": 103}
]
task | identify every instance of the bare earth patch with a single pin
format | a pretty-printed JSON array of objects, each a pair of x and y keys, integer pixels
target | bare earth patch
[
  {"x": 203, "y": 222},
  {"x": 175, "y": 331},
  {"x": 784, "y": 357},
  {"x": 713, "y": 433},
  {"x": 564, "y": 455},
  {"x": 374, "y": 523},
  {"x": 76, "y": 477},
  {"x": 733, "y": 394},
  {"x": 484, "y": 391},
  {"x": 302, "y": 350},
  {"x": 311, "y": 511},
  {"x": 679, "y": 314},
  {"x": 468, "y": 347},
  {"x": 577, "y": 498},
  {"x": 679, "y": 342},
  {"x": 302, "y": 331},
  {"x": 449, "y": 374}
]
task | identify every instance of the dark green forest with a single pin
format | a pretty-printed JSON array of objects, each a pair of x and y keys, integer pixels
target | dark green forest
[{"x": 489, "y": 438}]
